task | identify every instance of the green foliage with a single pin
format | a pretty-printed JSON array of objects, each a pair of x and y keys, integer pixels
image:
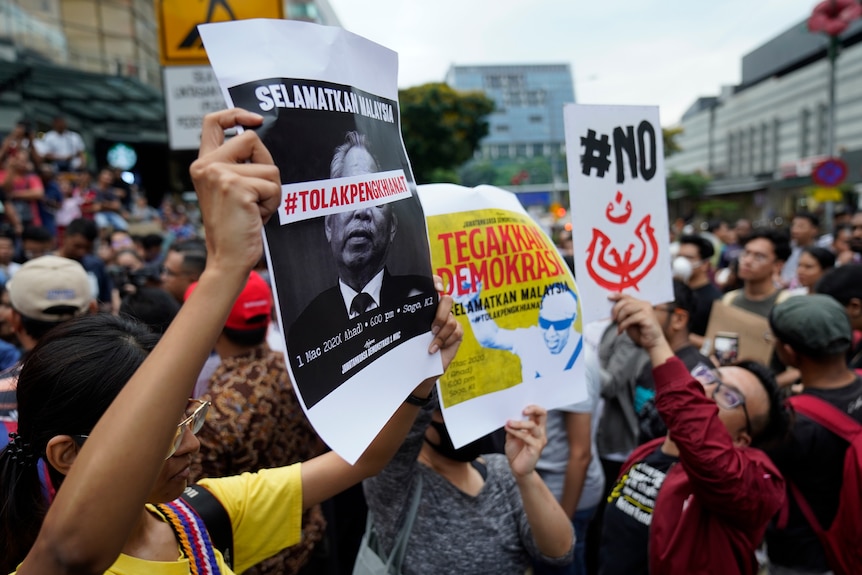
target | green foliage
[
  {"x": 508, "y": 172},
  {"x": 441, "y": 127},
  {"x": 668, "y": 136},
  {"x": 681, "y": 185}
]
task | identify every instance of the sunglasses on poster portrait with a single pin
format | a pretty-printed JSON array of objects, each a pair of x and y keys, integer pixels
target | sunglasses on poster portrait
[{"x": 559, "y": 325}]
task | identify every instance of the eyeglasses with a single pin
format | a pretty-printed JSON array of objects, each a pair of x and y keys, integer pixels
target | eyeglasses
[
  {"x": 756, "y": 256},
  {"x": 725, "y": 395},
  {"x": 560, "y": 325},
  {"x": 195, "y": 421}
]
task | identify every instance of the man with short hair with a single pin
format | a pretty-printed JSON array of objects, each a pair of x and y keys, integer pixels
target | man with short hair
[
  {"x": 804, "y": 230},
  {"x": 78, "y": 242},
  {"x": 699, "y": 499},
  {"x": 813, "y": 333},
  {"x": 845, "y": 285},
  {"x": 698, "y": 251},
  {"x": 36, "y": 242},
  {"x": 183, "y": 265},
  {"x": 63, "y": 147},
  {"x": 762, "y": 259},
  {"x": 255, "y": 421},
  {"x": 44, "y": 293}
]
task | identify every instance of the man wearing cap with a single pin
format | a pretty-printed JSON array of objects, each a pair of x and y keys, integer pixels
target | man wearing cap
[
  {"x": 44, "y": 293},
  {"x": 813, "y": 334},
  {"x": 255, "y": 421},
  {"x": 845, "y": 285},
  {"x": 551, "y": 347}
]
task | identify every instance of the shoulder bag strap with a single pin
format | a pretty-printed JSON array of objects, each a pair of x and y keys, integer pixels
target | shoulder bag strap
[
  {"x": 192, "y": 535},
  {"x": 399, "y": 545},
  {"x": 826, "y": 415},
  {"x": 215, "y": 518}
]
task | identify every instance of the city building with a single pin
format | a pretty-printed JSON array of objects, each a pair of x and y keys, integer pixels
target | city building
[
  {"x": 96, "y": 62},
  {"x": 760, "y": 140},
  {"x": 527, "y": 123}
]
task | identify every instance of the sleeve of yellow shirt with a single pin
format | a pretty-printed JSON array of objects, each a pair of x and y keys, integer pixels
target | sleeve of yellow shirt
[{"x": 265, "y": 509}]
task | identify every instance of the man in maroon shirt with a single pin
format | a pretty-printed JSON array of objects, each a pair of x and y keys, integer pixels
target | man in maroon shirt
[{"x": 698, "y": 500}]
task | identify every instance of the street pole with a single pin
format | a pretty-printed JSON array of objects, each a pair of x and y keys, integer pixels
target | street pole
[{"x": 829, "y": 207}]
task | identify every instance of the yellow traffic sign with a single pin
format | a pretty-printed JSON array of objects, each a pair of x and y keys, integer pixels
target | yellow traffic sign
[
  {"x": 827, "y": 195},
  {"x": 179, "y": 41}
]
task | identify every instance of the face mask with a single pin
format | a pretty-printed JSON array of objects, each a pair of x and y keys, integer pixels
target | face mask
[
  {"x": 682, "y": 269},
  {"x": 464, "y": 454}
]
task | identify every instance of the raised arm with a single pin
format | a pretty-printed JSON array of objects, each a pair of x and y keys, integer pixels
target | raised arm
[
  {"x": 328, "y": 474},
  {"x": 485, "y": 329},
  {"x": 91, "y": 518},
  {"x": 551, "y": 528}
]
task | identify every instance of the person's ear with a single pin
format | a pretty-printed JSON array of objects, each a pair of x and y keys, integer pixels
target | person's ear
[
  {"x": 679, "y": 319},
  {"x": 393, "y": 228},
  {"x": 61, "y": 453},
  {"x": 327, "y": 228},
  {"x": 15, "y": 321},
  {"x": 742, "y": 439},
  {"x": 786, "y": 354}
]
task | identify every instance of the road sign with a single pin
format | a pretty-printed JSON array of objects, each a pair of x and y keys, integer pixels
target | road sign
[
  {"x": 827, "y": 195},
  {"x": 179, "y": 42},
  {"x": 191, "y": 92},
  {"x": 830, "y": 173}
]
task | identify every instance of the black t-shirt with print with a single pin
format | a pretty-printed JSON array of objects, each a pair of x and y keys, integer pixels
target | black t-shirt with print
[
  {"x": 813, "y": 459},
  {"x": 625, "y": 530}
]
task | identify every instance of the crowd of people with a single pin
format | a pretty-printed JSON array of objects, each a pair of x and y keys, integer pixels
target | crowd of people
[{"x": 676, "y": 462}]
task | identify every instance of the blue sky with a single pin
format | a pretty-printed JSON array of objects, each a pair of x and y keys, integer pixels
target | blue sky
[{"x": 651, "y": 52}]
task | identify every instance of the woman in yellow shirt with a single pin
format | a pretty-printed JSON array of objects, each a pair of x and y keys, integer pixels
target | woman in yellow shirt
[{"x": 100, "y": 401}]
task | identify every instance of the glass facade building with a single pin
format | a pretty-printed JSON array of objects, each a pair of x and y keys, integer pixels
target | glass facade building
[{"x": 528, "y": 119}]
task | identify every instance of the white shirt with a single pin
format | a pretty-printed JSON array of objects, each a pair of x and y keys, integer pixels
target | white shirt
[{"x": 372, "y": 288}]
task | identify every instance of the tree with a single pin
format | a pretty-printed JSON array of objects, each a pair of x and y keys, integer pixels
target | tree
[
  {"x": 686, "y": 185},
  {"x": 441, "y": 127},
  {"x": 668, "y": 136}
]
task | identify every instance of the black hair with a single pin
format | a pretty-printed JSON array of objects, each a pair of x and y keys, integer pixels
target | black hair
[
  {"x": 843, "y": 283},
  {"x": 815, "y": 221},
  {"x": 825, "y": 258},
  {"x": 246, "y": 337},
  {"x": 38, "y": 234},
  {"x": 779, "y": 240},
  {"x": 194, "y": 255},
  {"x": 66, "y": 384},
  {"x": 682, "y": 296},
  {"x": 704, "y": 246},
  {"x": 151, "y": 306},
  {"x": 7, "y": 232},
  {"x": 82, "y": 227},
  {"x": 152, "y": 241},
  {"x": 713, "y": 225},
  {"x": 37, "y": 328},
  {"x": 771, "y": 429}
]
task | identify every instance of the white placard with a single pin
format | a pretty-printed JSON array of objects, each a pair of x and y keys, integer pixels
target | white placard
[
  {"x": 618, "y": 204},
  {"x": 191, "y": 92}
]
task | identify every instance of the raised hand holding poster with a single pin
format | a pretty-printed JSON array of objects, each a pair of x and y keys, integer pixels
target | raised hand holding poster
[
  {"x": 619, "y": 204},
  {"x": 348, "y": 249},
  {"x": 518, "y": 304}
]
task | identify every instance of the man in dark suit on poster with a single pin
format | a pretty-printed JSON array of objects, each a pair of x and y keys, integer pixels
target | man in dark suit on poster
[{"x": 334, "y": 321}]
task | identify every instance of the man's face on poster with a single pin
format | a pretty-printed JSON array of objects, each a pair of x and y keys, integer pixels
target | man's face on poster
[
  {"x": 358, "y": 161},
  {"x": 360, "y": 239},
  {"x": 556, "y": 317}
]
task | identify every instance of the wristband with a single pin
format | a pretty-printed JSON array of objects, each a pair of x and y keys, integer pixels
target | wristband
[{"x": 419, "y": 401}]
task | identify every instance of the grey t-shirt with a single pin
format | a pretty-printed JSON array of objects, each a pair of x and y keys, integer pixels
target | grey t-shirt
[
  {"x": 453, "y": 532},
  {"x": 554, "y": 459}
]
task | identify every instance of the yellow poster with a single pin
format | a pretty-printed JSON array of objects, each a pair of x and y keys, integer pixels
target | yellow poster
[
  {"x": 517, "y": 302},
  {"x": 178, "y": 20}
]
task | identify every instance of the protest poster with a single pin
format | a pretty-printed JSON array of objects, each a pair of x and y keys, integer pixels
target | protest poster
[
  {"x": 348, "y": 249},
  {"x": 619, "y": 204},
  {"x": 517, "y": 302}
]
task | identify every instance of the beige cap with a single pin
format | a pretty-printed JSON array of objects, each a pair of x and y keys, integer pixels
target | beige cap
[{"x": 50, "y": 288}]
